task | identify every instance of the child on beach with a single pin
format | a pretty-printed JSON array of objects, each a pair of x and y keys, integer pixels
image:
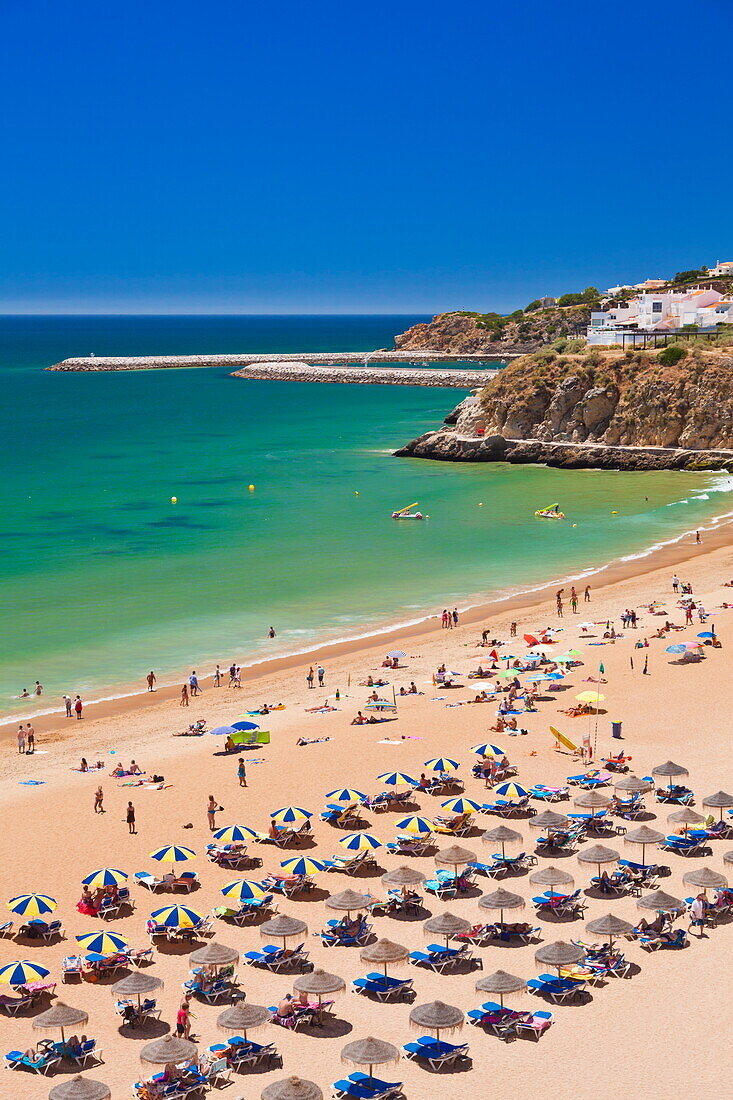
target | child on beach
[
  {"x": 98, "y": 799},
  {"x": 241, "y": 772}
]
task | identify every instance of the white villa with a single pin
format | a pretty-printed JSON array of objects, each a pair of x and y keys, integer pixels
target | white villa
[{"x": 663, "y": 312}]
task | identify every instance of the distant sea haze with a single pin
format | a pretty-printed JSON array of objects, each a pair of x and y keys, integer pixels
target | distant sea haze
[{"x": 104, "y": 578}]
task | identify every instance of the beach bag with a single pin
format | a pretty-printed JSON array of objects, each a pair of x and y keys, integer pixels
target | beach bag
[{"x": 158, "y": 778}]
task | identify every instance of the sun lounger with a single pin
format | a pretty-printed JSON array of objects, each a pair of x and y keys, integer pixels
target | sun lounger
[
  {"x": 435, "y": 1052},
  {"x": 6, "y": 929},
  {"x": 150, "y": 881},
  {"x": 674, "y": 940},
  {"x": 12, "y": 1004},
  {"x": 15, "y": 1059},
  {"x": 502, "y": 1021},
  {"x": 441, "y": 958},
  {"x": 383, "y": 987},
  {"x": 536, "y": 1025},
  {"x": 495, "y": 869},
  {"x": 72, "y": 966},
  {"x": 349, "y": 864},
  {"x": 476, "y": 935},
  {"x": 678, "y": 796},
  {"x": 335, "y": 935},
  {"x": 684, "y": 845},
  {"x": 246, "y": 1053},
  {"x": 88, "y": 1049},
  {"x": 359, "y": 1086},
  {"x": 548, "y": 794},
  {"x": 287, "y": 884},
  {"x": 508, "y": 808},
  {"x": 277, "y": 958},
  {"x": 557, "y": 989},
  {"x": 410, "y": 845},
  {"x": 455, "y": 826},
  {"x": 40, "y": 929},
  {"x": 108, "y": 907}
]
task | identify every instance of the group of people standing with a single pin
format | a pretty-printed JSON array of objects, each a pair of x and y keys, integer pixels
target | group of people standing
[{"x": 449, "y": 619}]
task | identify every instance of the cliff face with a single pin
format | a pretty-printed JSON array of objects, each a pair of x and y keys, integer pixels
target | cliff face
[
  {"x": 471, "y": 332},
  {"x": 583, "y": 410}
]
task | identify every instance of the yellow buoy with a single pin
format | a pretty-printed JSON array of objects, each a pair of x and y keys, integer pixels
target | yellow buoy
[
  {"x": 614, "y": 513},
  {"x": 575, "y": 525},
  {"x": 480, "y": 504},
  {"x": 174, "y": 500},
  {"x": 356, "y": 492},
  {"x": 251, "y": 488}
]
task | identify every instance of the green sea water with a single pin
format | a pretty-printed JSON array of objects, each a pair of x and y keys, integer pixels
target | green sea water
[{"x": 103, "y": 578}]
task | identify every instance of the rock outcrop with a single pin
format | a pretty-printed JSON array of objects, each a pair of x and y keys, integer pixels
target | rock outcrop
[{"x": 471, "y": 333}]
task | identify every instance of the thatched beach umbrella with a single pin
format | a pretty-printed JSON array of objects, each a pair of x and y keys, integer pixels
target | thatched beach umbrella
[
  {"x": 293, "y": 1088},
  {"x": 594, "y": 801},
  {"x": 318, "y": 983},
  {"x": 503, "y": 835},
  {"x": 669, "y": 771},
  {"x": 548, "y": 819},
  {"x": 659, "y": 902},
  {"x": 721, "y": 800},
  {"x": 80, "y": 1088},
  {"x": 599, "y": 855},
  {"x": 283, "y": 928},
  {"x": 136, "y": 985},
  {"x": 559, "y": 954},
  {"x": 243, "y": 1017},
  {"x": 728, "y": 857},
  {"x": 632, "y": 784},
  {"x": 403, "y": 876},
  {"x": 552, "y": 877},
  {"x": 706, "y": 878},
  {"x": 384, "y": 952},
  {"x": 501, "y": 899},
  {"x": 370, "y": 1052},
  {"x": 454, "y": 857},
  {"x": 214, "y": 954},
  {"x": 436, "y": 1016},
  {"x": 643, "y": 835},
  {"x": 62, "y": 1016},
  {"x": 446, "y": 924},
  {"x": 685, "y": 816},
  {"x": 170, "y": 1050},
  {"x": 610, "y": 926},
  {"x": 348, "y": 901},
  {"x": 500, "y": 984}
]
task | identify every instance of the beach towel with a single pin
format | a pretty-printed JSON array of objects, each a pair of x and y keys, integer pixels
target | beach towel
[{"x": 31, "y": 782}]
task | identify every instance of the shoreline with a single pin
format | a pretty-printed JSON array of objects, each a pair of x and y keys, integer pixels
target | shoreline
[{"x": 670, "y": 554}]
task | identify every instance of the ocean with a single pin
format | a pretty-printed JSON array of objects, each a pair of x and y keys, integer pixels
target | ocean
[{"x": 104, "y": 578}]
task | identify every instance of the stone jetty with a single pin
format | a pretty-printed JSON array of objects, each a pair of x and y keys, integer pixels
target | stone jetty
[
  {"x": 366, "y": 376},
  {"x": 168, "y": 362}
]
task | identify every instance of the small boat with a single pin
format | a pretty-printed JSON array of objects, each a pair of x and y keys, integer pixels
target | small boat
[
  {"x": 553, "y": 512},
  {"x": 405, "y": 513}
]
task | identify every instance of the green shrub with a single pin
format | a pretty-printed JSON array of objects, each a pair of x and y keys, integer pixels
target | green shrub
[
  {"x": 671, "y": 355},
  {"x": 532, "y": 306}
]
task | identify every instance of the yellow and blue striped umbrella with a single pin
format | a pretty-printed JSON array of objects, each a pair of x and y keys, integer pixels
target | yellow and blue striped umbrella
[
  {"x": 302, "y": 865},
  {"x": 232, "y": 834},
  {"x": 103, "y": 943},
  {"x": 511, "y": 790},
  {"x": 243, "y": 889},
  {"x": 32, "y": 905},
  {"x": 290, "y": 814},
  {"x": 360, "y": 842},
  {"x": 19, "y": 973},
  {"x": 176, "y": 916},
  {"x": 173, "y": 853},
  {"x": 442, "y": 764},
  {"x": 461, "y": 806},
  {"x": 106, "y": 876},
  {"x": 346, "y": 794},
  {"x": 488, "y": 750},
  {"x": 420, "y": 826},
  {"x": 397, "y": 779}
]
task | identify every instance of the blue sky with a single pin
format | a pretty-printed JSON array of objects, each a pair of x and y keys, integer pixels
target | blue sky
[{"x": 330, "y": 157}]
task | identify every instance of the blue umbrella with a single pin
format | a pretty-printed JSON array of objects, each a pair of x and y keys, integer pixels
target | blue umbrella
[
  {"x": 679, "y": 648},
  {"x": 706, "y": 634},
  {"x": 245, "y": 726},
  {"x": 223, "y": 731}
]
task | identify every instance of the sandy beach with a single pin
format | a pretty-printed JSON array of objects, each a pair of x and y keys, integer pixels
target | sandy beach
[{"x": 679, "y": 711}]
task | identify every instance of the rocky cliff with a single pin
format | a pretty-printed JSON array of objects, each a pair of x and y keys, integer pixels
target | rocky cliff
[
  {"x": 491, "y": 334},
  {"x": 586, "y": 410}
]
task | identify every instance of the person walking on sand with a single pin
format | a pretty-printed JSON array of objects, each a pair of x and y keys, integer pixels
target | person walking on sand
[
  {"x": 321, "y": 674},
  {"x": 184, "y": 696},
  {"x": 30, "y": 738},
  {"x": 574, "y": 600},
  {"x": 183, "y": 1020},
  {"x": 698, "y": 540},
  {"x": 310, "y": 677},
  {"x": 151, "y": 680},
  {"x": 217, "y": 677},
  {"x": 98, "y": 800},
  {"x": 559, "y": 607},
  {"x": 78, "y": 706},
  {"x": 211, "y": 809},
  {"x": 586, "y": 595},
  {"x": 455, "y": 616},
  {"x": 193, "y": 683},
  {"x": 513, "y": 630},
  {"x": 130, "y": 818},
  {"x": 21, "y": 740},
  {"x": 67, "y": 704},
  {"x": 675, "y": 583},
  {"x": 241, "y": 772}
]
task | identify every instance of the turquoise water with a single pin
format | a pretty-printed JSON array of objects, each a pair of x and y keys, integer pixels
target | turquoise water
[{"x": 104, "y": 578}]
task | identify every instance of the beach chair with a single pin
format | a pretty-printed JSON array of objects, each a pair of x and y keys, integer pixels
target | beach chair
[
  {"x": 43, "y": 930},
  {"x": 455, "y": 826},
  {"x": 494, "y": 869},
  {"x": 536, "y": 1025},
  {"x": 557, "y": 989},
  {"x": 554, "y": 842},
  {"x": 676, "y": 795},
  {"x": 334, "y": 935},
  {"x": 684, "y": 845},
  {"x": 508, "y": 807},
  {"x": 349, "y": 865},
  {"x": 476, "y": 935},
  {"x": 548, "y": 794},
  {"x": 441, "y": 958},
  {"x": 6, "y": 929},
  {"x": 246, "y": 1053},
  {"x": 12, "y": 1004},
  {"x": 72, "y": 967},
  {"x": 410, "y": 845},
  {"x": 501, "y": 1021},
  {"x": 383, "y": 987},
  {"x": 277, "y": 958},
  {"x": 397, "y": 902},
  {"x": 381, "y": 801},
  {"x": 435, "y": 1052},
  {"x": 677, "y": 940},
  {"x": 88, "y": 1049},
  {"x": 150, "y": 881},
  {"x": 108, "y": 907},
  {"x": 615, "y": 884},
  {"x": 359, "y": 1086},
  {"x": 524, "y": 932},
  {"x": 15, "y": 1059},
  {"x": 217, "y": 1073},
  {"x": 342, "y": 817}
]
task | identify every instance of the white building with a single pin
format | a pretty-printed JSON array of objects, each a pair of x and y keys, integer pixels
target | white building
[
  {"x": 723, "y": 267},
  {"x": 664, "y": 312}
]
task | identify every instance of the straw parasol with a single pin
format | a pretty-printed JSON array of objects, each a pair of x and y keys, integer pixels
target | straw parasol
[
  {"x": 644, "y": 835},
  {"x": 80, "y": 1088},
  {"x": 552, "y": 877},
  {"x": 559, "y": 954},
  {"x": 436, "y": 1016},
  {"x": 610, "y": 926},
  {"x": 348, "y": 901},
  {"x": 501, "y": 899},
  {"x": 282, "y": 928},
  {"x": 168, "y": 1050},
  {"x": 501, "y": 835},
  {"x": 293, "y": 1088},
  {"x": 243, "y": 1017},
  {"x": 728, "y": 857},
  {"x": 403, "y": 876},
  {"x": 599, "y": 855},
  {"x": 669, "y": 770},
  {"x": 685, "y": 817},
  {"x": 721, "y": 800},
  {"x": 214, "y": 954},
  {"x": 446, "y": 924},
  {"x": 500, "y": 983},
  {"x": 454, "y": 857},
  {"x": 384, "y": 952},
  {"x": 135, "y": 985},
  {"x": 593, "y": 800},
  {"x": 706, "y": 878},
  {"x": 659, "y": 902},
  {"x": 319, "y": 983},
  {"x": 61, "y": 1016},
  {"x": 548, "y": 819},
  {"x": 632, "y": 784},
  {"x": 370, "y": 1052}
]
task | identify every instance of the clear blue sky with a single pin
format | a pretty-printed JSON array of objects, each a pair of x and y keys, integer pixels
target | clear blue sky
[{"x": 334, "y": 157}]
